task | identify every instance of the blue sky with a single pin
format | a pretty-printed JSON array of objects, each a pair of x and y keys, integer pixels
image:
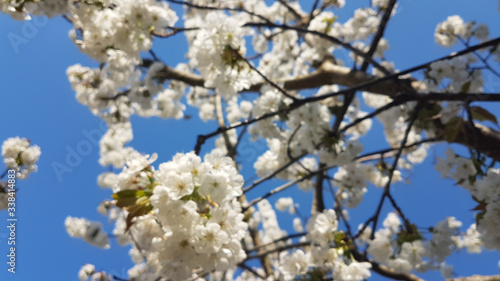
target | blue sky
[{"x": 38, "y": 103}]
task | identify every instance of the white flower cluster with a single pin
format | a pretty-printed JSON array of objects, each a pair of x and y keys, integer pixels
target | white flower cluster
[
  {"x": 123, "y": 25},
  {"x": 395, "y": 125},
  {"x": 112, "y": 145},
  {"x": 277, "y": 156},
  {"x": 325, "y": 22},
  {"x": 91, "y": 232},
  {"x": 217, "y": 51},
  {"x": 462, "y": 167},
  {"x": 19, "y": 155},
  {"x": 283, "y": 59},
  {"x": 444, "y": 239},
  {"x": 352, "y": 180},
  {"x": 323, "y": 253},
  {"x": 99, "y": 89},
  {"x": 454, "y": 27},
  {"x": 196, "y": 221},
  {"x": 340, "y": 153},
  {"x": 419, "y": 254},
  {"x": 484, "y": 190},
  {"x": 271, "y": 230},
  {"x": 321, "y": 228},
  {"x": 361, "y": 26},
  {"x": 103, "y": 89},
  {"x": 489, "y": 225},
  {"x": 364, "y": 23},
  {"x": 457, "y": 70},
  {"x": 382, "y": 46},
  {"x": 285, "y": 203},
  {"x": 269, "y": 101},
  {"x": 308, "y": 124},
  {"x": 88, "y": 271},
  {"x": 294, "y": 264},
  {"x": 21, "y": 10}
]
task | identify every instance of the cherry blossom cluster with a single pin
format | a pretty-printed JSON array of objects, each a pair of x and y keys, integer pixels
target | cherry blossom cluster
[
  {"x": 483, "y": 187},
  {"x": 195, "y": 222},
  {"x": 197, "y": 208},
  {"x": 120, "y": 25},
  {"x": 217, "y": 50},
  {"x": 404, "y": 250},
  {"x": 21, "y": 10},
  {"x": 88, "y": 271},
  {"x": 454, "y": 28},
  {"x": 327, "y": 253},
  {"x": 20, "y": 155},
  {"x": 91, "y": 232},
  {"x": 189, "y": 218}
]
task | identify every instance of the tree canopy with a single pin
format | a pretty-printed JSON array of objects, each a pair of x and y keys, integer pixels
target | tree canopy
[{"x": 313, "y": 91}]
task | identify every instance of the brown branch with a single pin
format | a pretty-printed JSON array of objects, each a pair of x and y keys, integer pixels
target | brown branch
[
  {"x": 380, "y": 33},
  {"x": 295, "y": 235},
  {"x": 172, "y": 32},
  {"x": 329, "y": 73},
  {"x": 487, "y": 138},
  {"x": 274, "y": 191},
  {"x": 332, "y": 39},
  {"x": 173, "y": 74},
  {"x": 194, "y": 6},
  {"x": 220, "y": 119},
  {"x": 318, "y": 204},
  {"x": 385, "y": 271},
  {"x": 251, "y": 270},
  {"x": 277, "y": 171},
  {"x": 264, "y": 261},
  {"x": 290, "y": 9},
  {"x": 280, "y": 249},
  {"x": 389, "y": 152},
  {"x": 392, "y": 170}
]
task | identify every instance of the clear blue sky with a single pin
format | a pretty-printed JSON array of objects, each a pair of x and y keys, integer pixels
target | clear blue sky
[{"x": 38, "y": 103}]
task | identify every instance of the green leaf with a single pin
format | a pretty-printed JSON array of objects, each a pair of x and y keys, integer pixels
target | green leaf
[
  {"x": 466, "y": 87},
  {"x": 428, "y": 112},
  {"x": 130, "y": 193},
  {"x": 314, "y": 275},
  {"x": 482, "y": 114},
  {"x": 283, "y": 112},
  {"x": 142, "y": 207},
  {"x": 329, "y": 23},
  {"x": 126, "y": 198},
  {"x": 408, "y": 235},
  {"x": 452, "y": 128}
]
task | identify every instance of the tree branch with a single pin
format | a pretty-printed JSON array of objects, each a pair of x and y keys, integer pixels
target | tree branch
[
  {"x": 385, "y": 271},
  {"x": 318, "y": 204},
  {"x": 380, "y": 33}
]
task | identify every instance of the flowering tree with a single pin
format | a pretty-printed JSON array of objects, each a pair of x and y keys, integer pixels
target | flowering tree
[{"x": 192, "y": 218}]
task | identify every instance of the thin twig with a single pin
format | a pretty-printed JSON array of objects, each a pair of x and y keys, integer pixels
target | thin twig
[
  {"x": 393, "y": 169},
  {"x": 380, "y": 33}
]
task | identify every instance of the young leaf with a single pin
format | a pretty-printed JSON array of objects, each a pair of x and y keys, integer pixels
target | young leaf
[
  {"x": 126, "y": 198},
  {"x": 482, "y": 114},
  {"x": 142, "y": 207}
]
